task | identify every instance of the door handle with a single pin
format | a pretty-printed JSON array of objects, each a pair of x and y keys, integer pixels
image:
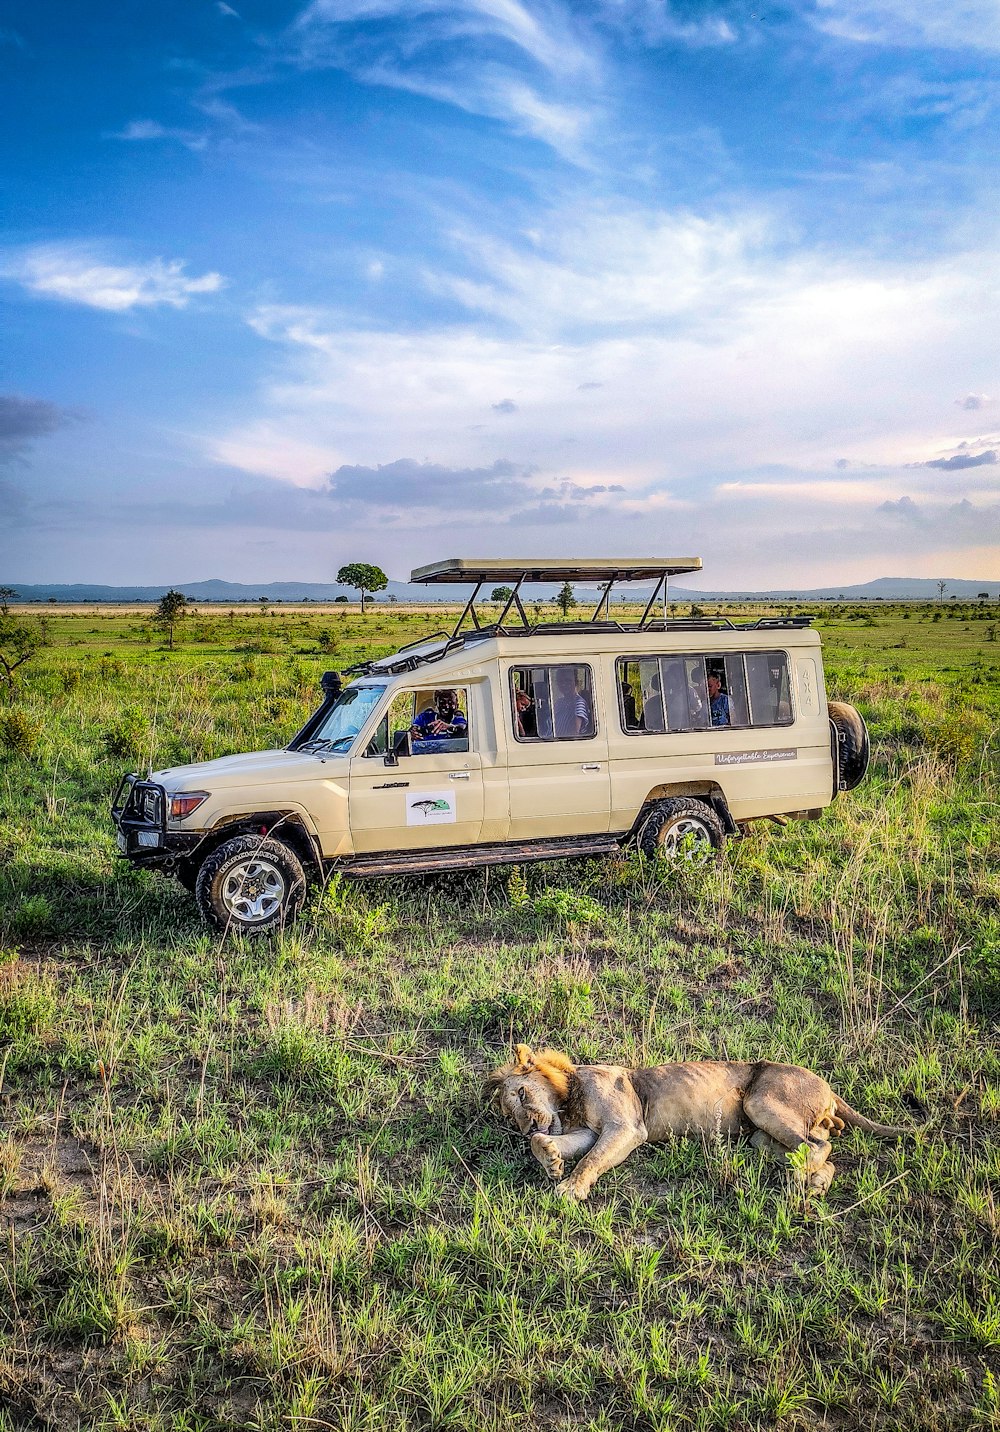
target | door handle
[
  {"x": 458, "y": 775},
  {"x": 591, "y": 766}
]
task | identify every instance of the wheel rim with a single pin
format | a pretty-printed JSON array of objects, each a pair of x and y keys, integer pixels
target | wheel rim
[
  {"x": 253, "y": 891},
  {"x": 687, "y": 839}
]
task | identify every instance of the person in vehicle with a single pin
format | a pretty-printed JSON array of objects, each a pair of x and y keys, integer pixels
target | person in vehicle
[
  {"x": 572, "y": 706},
  {"x": 652, "y": 707},
  {"x": 441, "y": 721},
  {"x": 718, "y": 701},
  {"x": 629, "y": 707},
  {"x": 524, "y": 710}
]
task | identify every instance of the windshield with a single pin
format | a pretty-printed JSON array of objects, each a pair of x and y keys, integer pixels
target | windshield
[{"x": 345, "y": 719}]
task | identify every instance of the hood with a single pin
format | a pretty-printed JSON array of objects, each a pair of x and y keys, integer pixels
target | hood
[{"x": 259, "y": 768}]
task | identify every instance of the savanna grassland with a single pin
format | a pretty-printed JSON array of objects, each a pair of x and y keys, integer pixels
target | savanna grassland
[{"x": 253, "y": 1185}]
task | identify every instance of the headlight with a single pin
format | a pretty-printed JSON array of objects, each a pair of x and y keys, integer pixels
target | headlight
[{"x": 183, "y": 805}]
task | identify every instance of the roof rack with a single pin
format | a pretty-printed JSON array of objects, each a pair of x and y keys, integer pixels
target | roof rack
[
  {"x": 607, "y": 571},
  {"x": 412, "y": 657}
]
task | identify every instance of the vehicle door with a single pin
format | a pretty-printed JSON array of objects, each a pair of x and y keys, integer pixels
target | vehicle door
[
  {"x": 557, "y": 750},
  {"x": 432, "y": 797}
]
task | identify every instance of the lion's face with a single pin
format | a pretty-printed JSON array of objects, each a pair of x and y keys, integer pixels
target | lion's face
[{"x": 529, "y": 1102}]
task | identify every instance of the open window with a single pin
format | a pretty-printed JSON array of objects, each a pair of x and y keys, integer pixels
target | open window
[
  {"x": 694, "y": 693},
  {"x": 552, "y": 703},
  {"x": 438, "y": 722}
]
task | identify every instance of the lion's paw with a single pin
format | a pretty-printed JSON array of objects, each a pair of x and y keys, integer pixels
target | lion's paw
[
  {"x": 820, "y": 1179},
  {"x": 548, "y": 1155},
  {"x": 569, "y": 1189}
]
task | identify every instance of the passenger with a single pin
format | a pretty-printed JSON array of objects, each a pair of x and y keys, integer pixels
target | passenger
[
  {"x": 652, "y": 708},
  {"x": 628, "y": 707},
  {"x": 718, "y": 701},
  {"x": 524, "y": 710},
  {"x": 572, "y": 706},
  {"x": 441, "y": 721}
]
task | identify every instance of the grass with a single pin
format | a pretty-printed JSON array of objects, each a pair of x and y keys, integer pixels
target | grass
[{"x": 252, "y": 1185}]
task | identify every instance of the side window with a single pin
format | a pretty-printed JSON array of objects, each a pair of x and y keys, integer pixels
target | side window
[
  {"x": 552, "y": 703},
  {"x": 770, "y": 695},
  {"x": 694, "y": 693},
  {"x": 438, "y": 721},
  {"x": 727, "y": 691}
]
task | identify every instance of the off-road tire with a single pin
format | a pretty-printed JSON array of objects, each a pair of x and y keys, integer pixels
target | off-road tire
[
  {"x": 665, "y": 824},
  {"x": 249, "y": 885},
  {"x": 849, "y": 737}
]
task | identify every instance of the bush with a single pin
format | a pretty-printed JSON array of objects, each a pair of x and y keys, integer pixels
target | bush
[
  {"x": 959, "y": 737},
  {"x": 19, "y": 733},
  {"x": 35, "y": 916},
  {"x": 127, "y": 738},
  {"x": 568, "y": 907}
]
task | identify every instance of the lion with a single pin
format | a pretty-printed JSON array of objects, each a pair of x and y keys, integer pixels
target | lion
[{"x": 599, "y": 1113}]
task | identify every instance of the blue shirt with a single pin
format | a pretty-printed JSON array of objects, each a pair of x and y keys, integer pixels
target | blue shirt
[
  {"x": 458, "y": 725},
  {"x": 720, "y": 710}
]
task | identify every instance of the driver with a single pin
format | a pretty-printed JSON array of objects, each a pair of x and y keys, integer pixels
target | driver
[{"x": 442, "y": 720}]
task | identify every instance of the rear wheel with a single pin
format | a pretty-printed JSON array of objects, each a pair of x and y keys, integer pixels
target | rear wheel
[
  {"x": 681, "y": 828},
  {"x": 251, "y": 884}
]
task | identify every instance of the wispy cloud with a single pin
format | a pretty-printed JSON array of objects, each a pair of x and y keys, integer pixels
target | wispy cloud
[
  {"x": 537, "y": 68},
  {"x": 657, "y": 22},
  {"x": 971, "y": 24},
  {"x": 145, "y": 130},
  {"x": 75, "y": 273}
]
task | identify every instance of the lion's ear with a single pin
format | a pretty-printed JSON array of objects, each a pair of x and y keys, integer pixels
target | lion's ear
[{"x": 524, "y": 1056}]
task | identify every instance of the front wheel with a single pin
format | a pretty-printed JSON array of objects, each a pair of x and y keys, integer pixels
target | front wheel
[
  {"x": 250, "y": 884},
  {"x": 681, "y": 828}
]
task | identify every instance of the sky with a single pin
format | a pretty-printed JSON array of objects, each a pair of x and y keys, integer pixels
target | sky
[{"x": 288, "y": 285}]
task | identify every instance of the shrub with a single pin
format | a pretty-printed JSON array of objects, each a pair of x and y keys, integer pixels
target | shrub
[
  {"x": 35, "y": 917},
  {"x": 127, "y": 737},
  {"x": 568, "y": 907},
  {"x": 19, "y": 733},
  {"x": 959, "y": 737}
]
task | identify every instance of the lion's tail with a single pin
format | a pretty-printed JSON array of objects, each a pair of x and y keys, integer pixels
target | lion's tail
[{"x": 855, "y": 1120}]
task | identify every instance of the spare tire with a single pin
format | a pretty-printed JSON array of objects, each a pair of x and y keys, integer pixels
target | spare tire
[{"x": 850, "y": 744}]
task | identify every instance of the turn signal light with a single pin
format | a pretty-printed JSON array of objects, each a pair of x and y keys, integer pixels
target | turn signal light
[{"x": 180, "y": 806}]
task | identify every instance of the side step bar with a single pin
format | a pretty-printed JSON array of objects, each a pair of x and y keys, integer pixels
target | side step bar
[{"x": 465, "y": 857}]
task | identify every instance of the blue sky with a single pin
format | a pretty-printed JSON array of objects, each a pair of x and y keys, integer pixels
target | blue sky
[{"x": 290, "y": 285}]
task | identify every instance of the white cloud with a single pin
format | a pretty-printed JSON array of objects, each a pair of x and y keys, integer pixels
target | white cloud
[
  {"x": 690, "y": 361},
  {"x": 536, "y": 68},
  {"x": 963, "y": 24},
  {"x": 546, "y": 36},
  {"x": 76, "y": 274},
  {"x": 144, "y": 130},
  {"x": 655, "y": 23}
]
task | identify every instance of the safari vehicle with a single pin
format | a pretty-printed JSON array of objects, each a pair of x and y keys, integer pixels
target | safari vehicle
[{"x": 508, "y": 741}]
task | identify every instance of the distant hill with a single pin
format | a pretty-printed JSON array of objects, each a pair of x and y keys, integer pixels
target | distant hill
[{"x": 884, "y": 588}]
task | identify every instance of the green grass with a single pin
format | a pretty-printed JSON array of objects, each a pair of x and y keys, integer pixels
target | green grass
[{"x": 253, "y": 1186}]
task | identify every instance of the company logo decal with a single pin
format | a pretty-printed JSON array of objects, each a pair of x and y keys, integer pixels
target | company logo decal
[
  {"x": 753, "y": 758},
  {"x": 431, "y": 808}
]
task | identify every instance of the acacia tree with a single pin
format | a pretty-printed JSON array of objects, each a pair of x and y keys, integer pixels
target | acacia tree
[
  {"x": 501, "y": 594},
  {"x": 171, "y": 609},
  {"x": 19, "y": 640},
  {"x": 565, "y": 600},
  {"x": 364, "y": 578}
]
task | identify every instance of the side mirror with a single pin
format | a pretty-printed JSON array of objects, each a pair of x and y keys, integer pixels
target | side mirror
[{"x": 402, "y": 745}]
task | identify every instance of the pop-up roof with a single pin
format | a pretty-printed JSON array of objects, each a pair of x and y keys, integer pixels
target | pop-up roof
[{"x": 554, "y": 569}]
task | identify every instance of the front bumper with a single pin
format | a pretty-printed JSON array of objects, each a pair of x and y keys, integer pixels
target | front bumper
[{"x": 139, "y": 812}]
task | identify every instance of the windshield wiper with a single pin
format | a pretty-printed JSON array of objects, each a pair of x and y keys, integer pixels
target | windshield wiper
[{"x": 315, "y": 744}]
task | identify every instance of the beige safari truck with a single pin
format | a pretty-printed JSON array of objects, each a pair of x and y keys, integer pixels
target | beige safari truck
[{"x": 505, "y": 741}]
